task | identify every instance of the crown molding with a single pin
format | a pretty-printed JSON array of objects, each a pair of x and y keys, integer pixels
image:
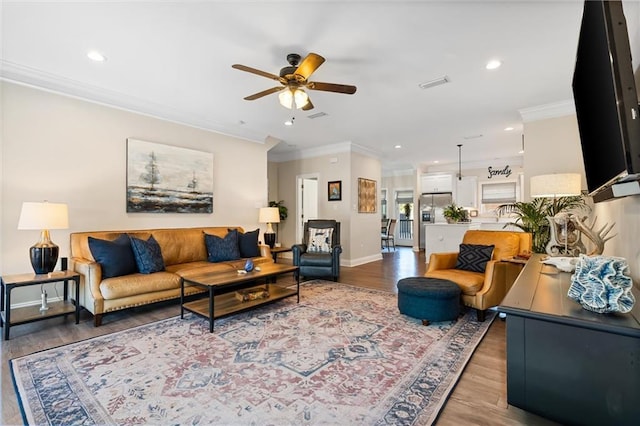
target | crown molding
[
  {"x": 553, "y": 110},
  {"x": 320, "y": 151},
  {"x": 32, "y": 77},
  {"x": 516, "y": 161}
]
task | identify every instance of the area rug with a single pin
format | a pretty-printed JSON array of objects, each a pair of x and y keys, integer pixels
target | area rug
[{"x": 343, "y": 355}]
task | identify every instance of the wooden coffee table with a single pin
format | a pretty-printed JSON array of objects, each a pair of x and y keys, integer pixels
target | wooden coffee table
[{"x": 222, "y": 288}]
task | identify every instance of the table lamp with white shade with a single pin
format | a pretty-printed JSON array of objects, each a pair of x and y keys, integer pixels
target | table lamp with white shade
[
  {"x": 44, "y": 217},
  {"x": 269, "y": 215}
]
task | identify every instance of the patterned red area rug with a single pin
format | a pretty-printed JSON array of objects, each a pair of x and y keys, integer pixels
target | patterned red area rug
[{"x": 344, "y": 355}]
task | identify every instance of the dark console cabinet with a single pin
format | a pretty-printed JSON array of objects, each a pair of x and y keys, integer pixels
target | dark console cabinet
[{"x": 566, "y": 363}]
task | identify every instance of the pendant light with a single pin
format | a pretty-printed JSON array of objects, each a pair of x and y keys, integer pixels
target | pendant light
[{"x": 459, "y": 161}]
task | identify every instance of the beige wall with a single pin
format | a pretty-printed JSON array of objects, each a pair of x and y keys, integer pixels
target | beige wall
[
  {"x": 552, "y": 146},
  {"x": 364, "y": 232},
  {"x": 560, "y": 137},
  {"x": 360, "y": 233},
  {"x": 66, "y": 150}
]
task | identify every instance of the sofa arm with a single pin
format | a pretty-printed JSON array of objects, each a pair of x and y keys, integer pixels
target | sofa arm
[
  {"x": 90, "y": 279},
  {"x": 495, "y": 287},
  {"x": 297, "y": 250},
  {"x": 439, "y": 261},
  {"x": 265, "y": 251},
  {"x": 335, "y": 261}
]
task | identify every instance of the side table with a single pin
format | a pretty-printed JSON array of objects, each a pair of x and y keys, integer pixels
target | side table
[
  {"x": 10, "y": 317},
  {"x": 277, "y": 250}
]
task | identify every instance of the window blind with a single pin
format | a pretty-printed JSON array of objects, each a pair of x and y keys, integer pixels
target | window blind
[
  {"x": 499, "y": 193},
  {"x": 403, "y": 197}
]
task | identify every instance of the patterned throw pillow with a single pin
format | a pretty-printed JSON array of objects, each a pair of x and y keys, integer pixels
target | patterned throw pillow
[
  {"x": 320, "y": 240},
  {"x": 221, "y": 249},
  {"x": 473, "y": 257},
  {"x": 115, "y": 257},
  {"x": 148, "y": 255}
]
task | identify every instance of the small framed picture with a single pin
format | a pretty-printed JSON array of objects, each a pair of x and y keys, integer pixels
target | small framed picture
[{"x": 335, "y": 190}]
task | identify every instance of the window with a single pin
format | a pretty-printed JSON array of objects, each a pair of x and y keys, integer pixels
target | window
[{"x": 499, "y": 193}]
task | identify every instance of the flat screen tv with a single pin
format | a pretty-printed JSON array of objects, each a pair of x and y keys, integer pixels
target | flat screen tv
[{"x": 605, "y": 97}]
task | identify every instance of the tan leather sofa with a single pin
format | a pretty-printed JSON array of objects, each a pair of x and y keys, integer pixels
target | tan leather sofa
[
  {"x": 183, "y": 250},
  {"x": 483, "y": 290}
]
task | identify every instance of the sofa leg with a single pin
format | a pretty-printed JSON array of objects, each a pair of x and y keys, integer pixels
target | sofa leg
[
  {"x": 482, "y": 314},
  {"x": 97, "y": 320}
]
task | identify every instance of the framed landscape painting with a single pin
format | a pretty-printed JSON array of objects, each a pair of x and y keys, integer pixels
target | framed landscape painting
[
  {"x": 168, "y": 179},
  {"x": 366, "y": 195}
]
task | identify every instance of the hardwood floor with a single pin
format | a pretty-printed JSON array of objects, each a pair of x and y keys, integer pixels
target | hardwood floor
[{"x": 479, "y": 397}]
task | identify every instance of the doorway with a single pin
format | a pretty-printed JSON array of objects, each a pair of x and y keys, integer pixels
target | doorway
[{"x": 307, "y": 201}]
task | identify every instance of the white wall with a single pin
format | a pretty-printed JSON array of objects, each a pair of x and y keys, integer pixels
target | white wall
[
  {"x": 66, "y": 150},
  {"x": 364, "y": 228}
]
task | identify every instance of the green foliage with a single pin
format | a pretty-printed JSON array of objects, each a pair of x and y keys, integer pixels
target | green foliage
[
  {"x": 282, "y": 209},
  {"x": 454, "y": 213},
  {"x": 532, "y": 216}
]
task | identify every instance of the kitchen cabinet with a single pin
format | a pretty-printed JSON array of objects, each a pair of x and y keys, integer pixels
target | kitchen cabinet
[
  {"x": 436, "y": 183},
  {"x": 467, "y": 192}
]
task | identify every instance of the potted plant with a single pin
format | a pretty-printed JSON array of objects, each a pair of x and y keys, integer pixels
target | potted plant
[
  {"x": 282, "y": 209},
  {"x": 532, "y": 216},
  {"x": 454, "y": 213},
  {"x": 407, "y": 210}
]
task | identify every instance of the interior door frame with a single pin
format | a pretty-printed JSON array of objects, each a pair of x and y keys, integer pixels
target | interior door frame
[{"x": 300, "y": 214}]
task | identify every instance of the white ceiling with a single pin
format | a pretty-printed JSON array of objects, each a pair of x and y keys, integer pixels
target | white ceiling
[{"x": 173, "y": 60}]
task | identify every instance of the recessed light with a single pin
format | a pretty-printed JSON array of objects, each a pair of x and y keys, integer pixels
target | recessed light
[
  {"x": 436, "y": 161},
  {"x": 96, "y": 56},
  {"x": 493, "y": 64},
  {"x": 398, "y": 146},
  {"x": 508, "y": 129},
  {"x": 289, "y": 122}
]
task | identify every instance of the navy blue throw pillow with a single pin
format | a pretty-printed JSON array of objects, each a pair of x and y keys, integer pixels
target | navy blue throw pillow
[
  {"x": 148, "y": 255},
  {"x": 248, "y": 243},
  {"x": 115, "y": 257},
  {"x": 474, "y": 257},
  {"x": 221, "y": 249}
]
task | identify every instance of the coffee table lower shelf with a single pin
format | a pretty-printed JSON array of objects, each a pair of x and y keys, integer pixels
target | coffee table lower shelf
[{"x": 227, "y": 303}]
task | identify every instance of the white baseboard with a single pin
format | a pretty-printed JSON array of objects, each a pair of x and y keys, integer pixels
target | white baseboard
[
  {"x": 35, "y": 302},
  {"x": 361, "y": 261}
]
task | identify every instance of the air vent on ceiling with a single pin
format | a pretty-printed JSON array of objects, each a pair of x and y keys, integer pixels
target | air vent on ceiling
[
  {"x": 473, "y": 136},
  {"x": 434, "y": 83},
  {"x": 318, "y": 115}
]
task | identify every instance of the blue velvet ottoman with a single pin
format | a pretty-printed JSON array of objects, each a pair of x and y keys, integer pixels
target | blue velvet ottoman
[{"x": 429, "y": 299}]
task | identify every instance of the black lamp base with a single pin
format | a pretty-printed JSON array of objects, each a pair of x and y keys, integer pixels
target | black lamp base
[
  {"x": 44, "y": 258},
  {"x": 270, "y": 239}
]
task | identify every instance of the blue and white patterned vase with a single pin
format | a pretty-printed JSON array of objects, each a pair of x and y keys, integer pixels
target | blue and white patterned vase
[
  {"x": 248, "y": 266},
  {"x": 601, "y": 284}
]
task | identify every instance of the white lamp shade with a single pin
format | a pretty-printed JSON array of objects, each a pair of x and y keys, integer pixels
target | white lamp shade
[
  {"x": 555, "y": 185},
  {"x": 43, "y": 216},
  {"x": 269, "y": 215}
]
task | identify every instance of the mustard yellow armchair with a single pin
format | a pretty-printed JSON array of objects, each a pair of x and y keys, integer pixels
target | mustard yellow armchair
[{"x": 483, "y": 290}]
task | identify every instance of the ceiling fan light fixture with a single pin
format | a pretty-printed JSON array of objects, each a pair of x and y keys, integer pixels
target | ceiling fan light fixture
[{"x": 293, "y": 98}]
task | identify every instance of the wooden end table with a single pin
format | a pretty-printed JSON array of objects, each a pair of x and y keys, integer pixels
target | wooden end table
[
  {"x": 10, "y": 317},
  {"x": 277, "y": 250}
]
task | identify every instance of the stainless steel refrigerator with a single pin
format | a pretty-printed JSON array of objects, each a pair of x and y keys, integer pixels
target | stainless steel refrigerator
[{"x": 431, "y": 206}]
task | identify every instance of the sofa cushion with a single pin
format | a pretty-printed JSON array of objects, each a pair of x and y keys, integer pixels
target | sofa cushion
[
  {"x": 248, "y": 243},
  {"x": 115, "y": 257},
  {"x": 319, "y": 240},
  {"x": 469, "y": 282},
  {"x": 119, "y": 287},
  {"x": 221, "y": 249},
  {"x": 473, "y": 257},
  {"x": 148, "y": 255}
]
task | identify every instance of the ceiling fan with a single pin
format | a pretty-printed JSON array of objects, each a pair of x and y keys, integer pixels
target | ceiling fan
[{"x": 295, "y": 78}]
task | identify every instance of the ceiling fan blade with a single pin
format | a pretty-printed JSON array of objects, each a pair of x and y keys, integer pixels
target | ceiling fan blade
[
  {"x": 255, "y": 71},
  {"x": 263, "y": 93},
  {"x": 308, "y": 106},
  {"x": 309, "y": 65},
  {"x": 331, "y": 87}
]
